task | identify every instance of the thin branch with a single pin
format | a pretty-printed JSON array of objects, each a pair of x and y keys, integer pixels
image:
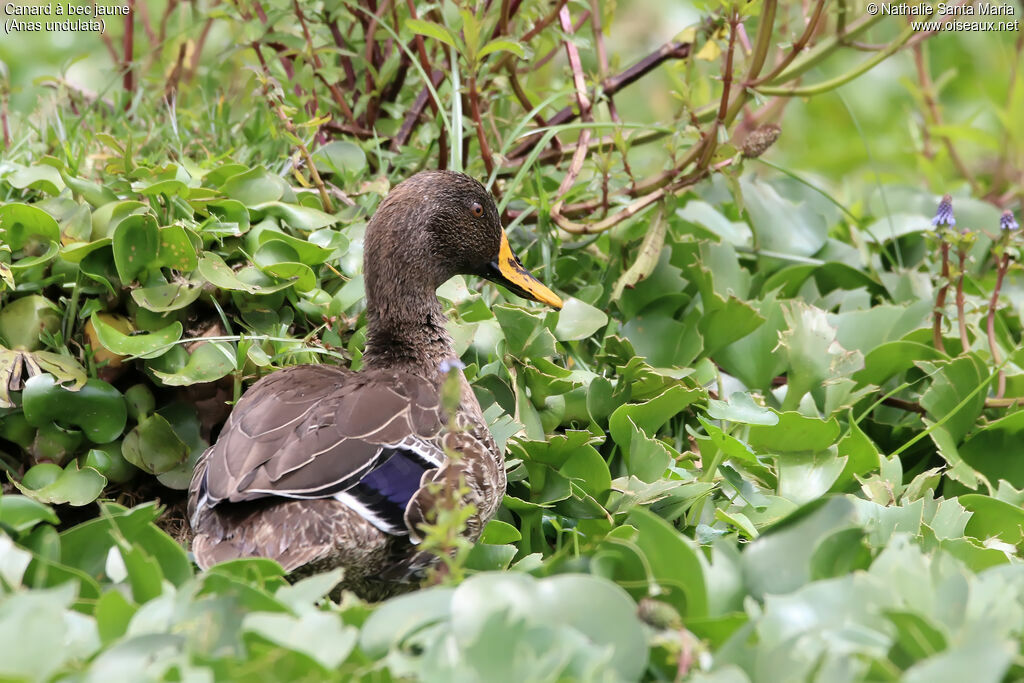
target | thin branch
[
  {"x": 336, "y": 95},
  {"x": 278, "y": 108},
  {"x": 612, "y": 85},
  {"x": 935, "y": 114},
  {"x": 129, "y": 48},
  {"x": 580, "y": 83}
]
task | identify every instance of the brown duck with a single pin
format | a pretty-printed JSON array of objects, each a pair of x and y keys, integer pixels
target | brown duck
[{"x": 320, "y": 467}]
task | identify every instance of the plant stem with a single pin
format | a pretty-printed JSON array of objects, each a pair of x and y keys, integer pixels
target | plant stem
[
  {"x": 990, "y": 323},
  {"x": 961, "y": 322},
  {"x": 940, "y": 298}
]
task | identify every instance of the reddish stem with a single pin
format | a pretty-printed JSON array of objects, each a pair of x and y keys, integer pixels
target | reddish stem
[
  {"x": 940, "y": 299},
  {"x": 129, "y": 47},
  {"x": 960, "y": 319}
]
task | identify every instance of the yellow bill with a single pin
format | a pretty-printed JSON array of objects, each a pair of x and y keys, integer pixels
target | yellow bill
[{"x": 509, "y": 272}]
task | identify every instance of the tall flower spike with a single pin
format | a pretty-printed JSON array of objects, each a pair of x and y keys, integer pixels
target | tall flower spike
[
  {"x": 1007, "y": 221},
  {"x": 944, "y": 214}
]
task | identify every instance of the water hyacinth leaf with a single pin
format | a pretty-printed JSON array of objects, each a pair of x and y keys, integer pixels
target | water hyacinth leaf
[
  {"x": 578, "y": 320},
  {"x": 73, "y": 485},
  {"x": 779, "y": 561},
  {"x": 177, "y": 250},
  {"x": 650, "y": 415},
  {"x": 24, "y": 225},
  {"x": 254, "y": 186},
  {"x": 526, "y": 335},
  {"x": 113, "y": 614},
  {"x": 153, "y": 446},
  {"x": 953, "y": 383},
  {"x": 148, "y": 345},
  {"x": 40, "y": 177},
  {"x": 305, "y": 252},
  {"x": 21, "y": 513},
  {"x": 889, "y": 359},
  {"x": 296, "y": 216},
  {"x": 207, "y": 363},
  {"x": 995, "y": 450},
  {"x": 673, "y": 561},
  {"x": 24, "y": 319},
  {"x": 330, "y": 239},
  {"x": 218, "y": 273},
  {"x": 96, "y": 408},
  {"x": 74, "y": 252},
  {"x": 992, "y": 518},
  {"x": 485, "y": 557},
  {"x": 169, "y": 297},
  {"x": 342, "y": 157},
  {"x": 299, "y": 274},
  {"x": 395, "y": 620},
  {"x": 742, "y": 409},
  {"x": 495, "y": 533},
  {"x": 95, "y": 194},
  {"x": 322, "y": 636},
  {"x": 779, "y": 224},
  {"x": 794, "y": 433},
  {"x": 232, "y": 217},
  {"x": 814, "y": 355},
  {"x": 136, "y": 245}
]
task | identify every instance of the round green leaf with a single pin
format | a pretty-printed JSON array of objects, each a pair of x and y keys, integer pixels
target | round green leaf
[
  {"x": 153, "y": 446},
  {"x": 149, "y": 345},
  {"x": 24, "y": 319},
  {"x": 136, "y": 243},
  {"x": 97, "y": 408}
]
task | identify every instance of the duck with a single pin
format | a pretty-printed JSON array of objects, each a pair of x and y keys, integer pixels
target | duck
[{"x": 319, "y": 466}]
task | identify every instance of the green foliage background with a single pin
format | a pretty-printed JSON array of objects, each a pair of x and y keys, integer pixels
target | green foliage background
[{"x": 738, "y": 452}]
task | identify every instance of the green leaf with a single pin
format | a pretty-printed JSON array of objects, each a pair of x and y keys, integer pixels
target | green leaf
[
  {"x": 73, "y": 486},
  {"x": 136, "y": 244},
  {"x": 23, "y": 225},
  {"x": 209, "y": 362},
  {"x": 166, "y": 298},
  {"x": 495, "y": 533},
  {"x": 21, "y": 513},
  {"x": 673, "y": 561},
  {"x": 177, "y": 250},
  {"x": 526, "y": 336},
  {"x": 502, "y": 45},
  {"x": 148, "y": 345},
  {"x": 297, "y": 216},
  {"x": 97, "y": 408},
  {"x": 153, "y": 446},
  {"x": 23, "y": 319},
  {"x": 779, "y": 561},
  {"x": 429, "y": 28},
  {"x": 578, "y": 320},
  {"x": 342, "y": 157},
  {"x": 993, "y": 518},
  {"x": 953, "y": 383},
  {"x": 254, "y": 186}
]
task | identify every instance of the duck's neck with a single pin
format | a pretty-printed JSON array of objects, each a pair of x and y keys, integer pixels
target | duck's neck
[{"x": 405, "y": 329}]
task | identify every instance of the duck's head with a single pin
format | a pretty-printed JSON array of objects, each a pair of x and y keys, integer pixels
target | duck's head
[{"x": 438, "y": 224}]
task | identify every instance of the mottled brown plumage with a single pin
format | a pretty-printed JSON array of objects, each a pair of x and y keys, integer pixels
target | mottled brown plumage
[{"x": 319, "y": 466}]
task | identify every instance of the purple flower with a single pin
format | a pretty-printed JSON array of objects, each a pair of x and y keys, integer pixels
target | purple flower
[
  {"x": 1007, "y": 221},
  {"x": 944, "y": 214},
  {"x": 449, "y": 364}
]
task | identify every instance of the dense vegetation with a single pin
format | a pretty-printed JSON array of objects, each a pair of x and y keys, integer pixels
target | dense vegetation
[{"x": 773, "y": 435}]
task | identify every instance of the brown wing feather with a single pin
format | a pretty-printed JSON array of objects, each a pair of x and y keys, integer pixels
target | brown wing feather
[{"x": 308, "y": 430}]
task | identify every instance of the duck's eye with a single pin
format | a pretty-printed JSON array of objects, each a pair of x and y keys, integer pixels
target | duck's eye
[{"x": 477, "y": 209}]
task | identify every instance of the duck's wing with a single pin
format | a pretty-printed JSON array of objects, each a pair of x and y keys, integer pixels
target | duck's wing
[{"x": 316, "y": 431}]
